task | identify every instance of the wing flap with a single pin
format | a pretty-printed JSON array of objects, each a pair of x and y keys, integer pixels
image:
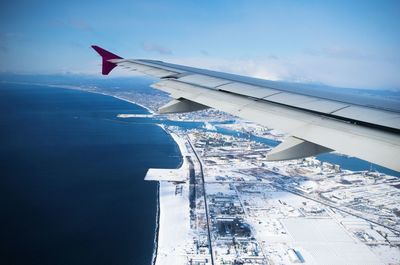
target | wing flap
[
  {"x": 248, "y": 90},
  {"x": 375, "y": 116},
  {"x": 324, "y": 106},
  {"x": 203, "y": 80}
]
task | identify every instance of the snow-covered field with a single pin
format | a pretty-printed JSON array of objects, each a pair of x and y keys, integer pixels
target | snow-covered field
[
  {"x": 285, "y": 228},
  {"x": 174, "y": 235},
  {"x": 327, "y": 242}
]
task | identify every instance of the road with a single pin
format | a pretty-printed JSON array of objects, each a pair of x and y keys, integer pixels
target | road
[{"x": 205, "y": 199}]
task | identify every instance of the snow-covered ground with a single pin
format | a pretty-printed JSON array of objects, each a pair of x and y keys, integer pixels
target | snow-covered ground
[
  {"x": 324, "y": 241},
  {"x": 161, "y": 174},
  {"x": 174, "y": 235}
]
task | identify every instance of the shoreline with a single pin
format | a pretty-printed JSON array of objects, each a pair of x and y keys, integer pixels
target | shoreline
[
  {"x": 154, "y": 259},
  {"x": 138, "y": 246},
  {"x": 157, "y": 228},
  {"x": 130, "y": 101},
  {"x": 163, "y": 188}
]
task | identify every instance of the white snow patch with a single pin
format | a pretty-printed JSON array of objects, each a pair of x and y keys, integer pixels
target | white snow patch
[
  {"x": 174, "y": 234},
  {"x": 328, "y": 242}
]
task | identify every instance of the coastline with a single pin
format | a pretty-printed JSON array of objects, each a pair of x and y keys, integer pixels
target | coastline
[
  {"x": 157, "y": 228},
  {"x": 160, "y": 189},
  {"x": 126, "y": 218},
  {"x": 130, "y": 101},
  {"x": 162, "y": 237}
]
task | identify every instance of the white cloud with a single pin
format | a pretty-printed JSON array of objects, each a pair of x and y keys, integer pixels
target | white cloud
[
  {"x": 330, "y": 70},
  {"x": 152, "y": 47}
]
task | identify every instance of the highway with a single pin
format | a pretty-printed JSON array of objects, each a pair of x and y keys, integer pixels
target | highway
[{"x": 205, "y": 199}]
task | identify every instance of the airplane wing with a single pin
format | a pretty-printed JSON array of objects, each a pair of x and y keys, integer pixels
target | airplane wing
[{"x": 317, "y": 121}]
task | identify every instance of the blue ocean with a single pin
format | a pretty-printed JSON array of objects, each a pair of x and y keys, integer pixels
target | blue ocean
[{"x": 71, "y": 185}]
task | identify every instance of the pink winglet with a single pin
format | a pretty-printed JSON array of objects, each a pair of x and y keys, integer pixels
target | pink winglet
[{"x": 106, "y": 55}]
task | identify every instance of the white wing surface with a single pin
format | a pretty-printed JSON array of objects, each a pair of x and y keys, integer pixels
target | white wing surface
[{"x": 317, "y": 120}]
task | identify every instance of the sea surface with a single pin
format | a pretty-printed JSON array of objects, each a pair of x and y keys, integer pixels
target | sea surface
[{"x": 71, "y": 178}]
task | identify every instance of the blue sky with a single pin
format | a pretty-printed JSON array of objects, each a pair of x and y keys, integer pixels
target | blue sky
[{"x": 342, "y": 43}]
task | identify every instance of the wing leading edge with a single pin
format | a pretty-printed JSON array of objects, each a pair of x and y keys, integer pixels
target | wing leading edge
[{"x": 315, "y": 123}]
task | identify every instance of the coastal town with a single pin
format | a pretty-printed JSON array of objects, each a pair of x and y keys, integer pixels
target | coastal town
[
  {"x": 245, "y": 211},
  {"x": 226, "y": 204}
]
